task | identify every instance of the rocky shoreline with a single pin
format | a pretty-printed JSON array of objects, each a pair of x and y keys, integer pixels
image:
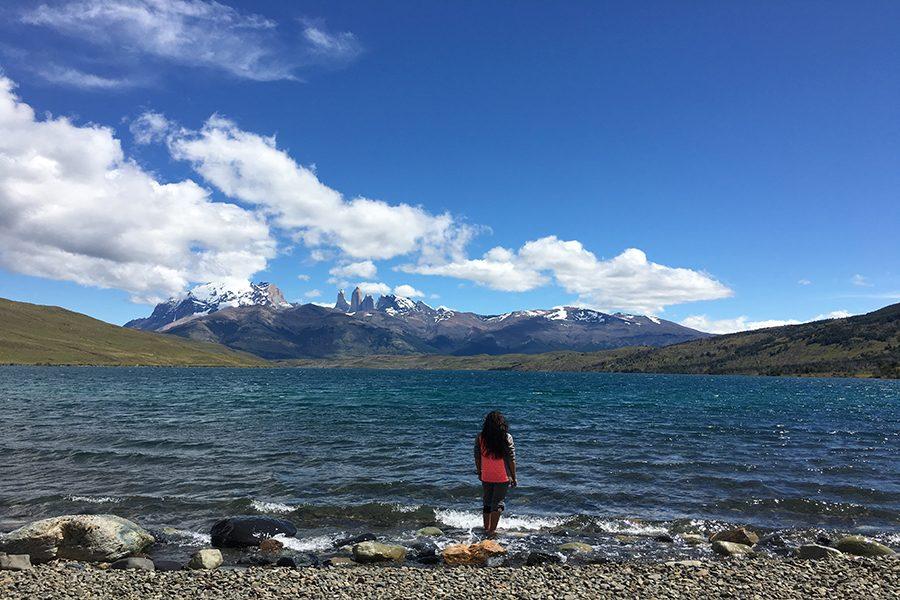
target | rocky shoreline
[
  {"x": 105, "y": 556},
  {"x": 756, "y": 577}
]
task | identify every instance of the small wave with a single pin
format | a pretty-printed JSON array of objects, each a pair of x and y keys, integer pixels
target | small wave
[
  {"x": 470, "y": 520},
  {"x": 189, "y": 538},
  {"x": 94, "y": 499},
  {"x": 403, "y": 508},
  {"x": 629, "y": 527},
  {"x": 311, "y": 544},
  {"x": 271, "y": 507}
]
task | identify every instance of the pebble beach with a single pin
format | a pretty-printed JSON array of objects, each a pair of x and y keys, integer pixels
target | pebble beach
[{"x": 755, "y": 577}]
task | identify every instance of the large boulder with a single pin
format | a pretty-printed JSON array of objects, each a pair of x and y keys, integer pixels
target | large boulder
[
  {"x": 95, "y": 538},
  {"x": 429, "y": 532},
  {"x": 862, "y": 546},
  {"x": 730, "y": 548},
  {"x": 370, "y": 552},
  {"x": 249, "y": 530},
  {"x": 472, "y": 554},
  {"x": 738, "y": 535}
]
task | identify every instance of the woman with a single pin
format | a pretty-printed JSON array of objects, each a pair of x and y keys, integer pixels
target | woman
[{"x": 495, "y": 464}]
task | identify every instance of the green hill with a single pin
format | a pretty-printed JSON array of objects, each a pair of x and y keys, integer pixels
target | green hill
[
  {"x": 32, "y": 334},
  {"x": 862, "y": 346}
]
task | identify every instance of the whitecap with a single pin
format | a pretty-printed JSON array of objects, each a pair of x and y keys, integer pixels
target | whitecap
[
  {"x": 94, "y": 499},
  {"x": 470, "y": 520},
  {"x": 629, "y": 527},
  {"x": 311, "y": 544},
  {"x": 271, "y": 507},
  {"x": 189, "y": 538}
]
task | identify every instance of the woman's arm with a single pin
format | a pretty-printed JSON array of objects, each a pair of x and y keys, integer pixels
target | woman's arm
[
  {"x": 511, "y": 460},
  {"x": 477, "y": 457}
]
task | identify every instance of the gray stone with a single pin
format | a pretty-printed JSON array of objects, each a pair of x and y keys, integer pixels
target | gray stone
[
  {"x": 738, "y": 535},
  {"x": 430, "y": 532},
  {"x": 208, "y": 558},
  {"x": 15, "y": 562},
  {"x": 730, "y": 548},
  {"x": 692, "y": 539},
  {"x": 817, "y": 552},
  {"x": 369, "y": 552},
  {"x": 167, "y": 565},
  {"x": 133, "y": 562},
  {"x": 93, "y": 538},
  {"x": 576, "y": 547},
  {"x": 862, "y": 546}
]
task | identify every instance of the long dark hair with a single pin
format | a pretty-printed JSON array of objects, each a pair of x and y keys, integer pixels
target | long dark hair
[{"x": 493, "y": 435}]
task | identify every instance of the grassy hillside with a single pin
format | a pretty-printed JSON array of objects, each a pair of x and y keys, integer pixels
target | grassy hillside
[
  {"x": 32, "y": 334},
  {"x": 863, "y": 346}
]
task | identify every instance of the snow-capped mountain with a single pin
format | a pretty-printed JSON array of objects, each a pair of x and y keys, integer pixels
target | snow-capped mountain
[
  {"x": 393, "y": 325},
  {"x": 209, "y": 298}
]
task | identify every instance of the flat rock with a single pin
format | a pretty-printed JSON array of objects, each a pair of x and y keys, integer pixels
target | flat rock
[
  {"x": 167, "y": 565},
  {"x": 429, "y": 532},
  {"x": 692, "y": 539},
  {"x": 15, "y": 562},
  {"x": 135, "y": 563},
  {"x": 352, "y": 541},
  {"x": 92, "y": 538},
  {"x": 730, "y": 548},
  {"x": 817, "y": 552},
  {"x": 576, "y": 547},
  {"x": 286, "y": 562},
  {"x": 248, "y": 530},
  {"x": 338, "y": 561},
  {"x": 472, "y": 554},
  {"x": 738, "y": 535},
  {"x": 208, "y": 559},
  {"x": 270, "y": 546},
  {"x": 541, "y": 558},
  {"x": 370, "y": 552},
  {"x": 862, "y": 546},
  {"x": 684, "y": 563}
]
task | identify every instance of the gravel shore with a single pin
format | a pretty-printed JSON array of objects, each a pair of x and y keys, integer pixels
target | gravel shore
[{"x": 748, "y": 578}]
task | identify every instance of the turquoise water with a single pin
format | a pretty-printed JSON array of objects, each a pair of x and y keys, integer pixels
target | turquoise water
[{"x": 347, "y": 451}]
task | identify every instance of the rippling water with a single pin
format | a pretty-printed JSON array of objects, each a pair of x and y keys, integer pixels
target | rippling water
[{"x": 348, "y": 451}]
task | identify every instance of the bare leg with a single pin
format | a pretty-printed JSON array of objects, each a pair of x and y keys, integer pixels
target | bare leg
[
  {"x": 494, "y": 521},
  {"x": 487, "y": 521}
]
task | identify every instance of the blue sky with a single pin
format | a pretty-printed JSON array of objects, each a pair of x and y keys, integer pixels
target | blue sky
[{"x": 718, "y": 164}]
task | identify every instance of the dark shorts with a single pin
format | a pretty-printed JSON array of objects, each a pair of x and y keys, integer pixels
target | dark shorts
[{"x": 493, "y": 495}]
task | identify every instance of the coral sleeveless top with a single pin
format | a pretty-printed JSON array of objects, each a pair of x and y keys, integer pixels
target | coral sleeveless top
[{"x": 493, "y": 470}]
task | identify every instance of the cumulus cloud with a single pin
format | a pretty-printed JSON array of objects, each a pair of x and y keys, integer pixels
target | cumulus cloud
[
  {"x": 365, "y": 269},
  {"x": 742, "y": 323},
  {"x": 195, "y": 33},
  {"x": 313, "y": 293},
  {"x": 150, "y": 127},
  {"x": 373, "y": 288},
  {"x": 303, "y": 277},
  {"x": 251, "y": 168},
  {"x": 804, "y": 282},
  {"x": 73, "y": 207},
  {"x": 628, "y": 281},
  {"x": 408, "y": 291}
]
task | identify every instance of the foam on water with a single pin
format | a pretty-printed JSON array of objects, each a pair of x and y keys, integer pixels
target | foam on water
[
  {"x": 462, "y": 519},
  {"x": 271, "y": 507},
  {"x": 94, "y": 499},
  {"x": 629, "y": 527},
  {"x": 190, "y": 538},
  {"x": 311, "y": 544}
]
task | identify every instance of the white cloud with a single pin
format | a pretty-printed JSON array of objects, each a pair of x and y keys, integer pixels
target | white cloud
[
  {"x": 408, "y": 291},
  {"x": 150, "y": 127},
  {"x": 73, "y": 207},
  {"x": 374, "y": 289},
  {"x": 804, "y": 282},
  {"x": 303, "y": 277},
  {"x": 365, "y": 269},
  {"x": 742, "y": 323},
  {"x": 72, "y": 77},
  {"x": 860, "y": 281},
  {"x": 251, "y": 168},
  {"x": 340, "y": 47},
  {"x": 313, "y": 294},
  {"x": 626, "y": 282},
  {"x": 195, "y": 33}
]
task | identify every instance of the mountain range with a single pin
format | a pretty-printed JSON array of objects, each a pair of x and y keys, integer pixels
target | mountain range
[{"x": 255, "y": 318}]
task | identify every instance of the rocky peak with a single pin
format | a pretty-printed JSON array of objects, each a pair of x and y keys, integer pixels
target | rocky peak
[
  {"x": 393, "y": 304},
  {"x": 356, "y": 299},
  {"x": 367, "y": 304},
  {"x": 342, "y": 304}
]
